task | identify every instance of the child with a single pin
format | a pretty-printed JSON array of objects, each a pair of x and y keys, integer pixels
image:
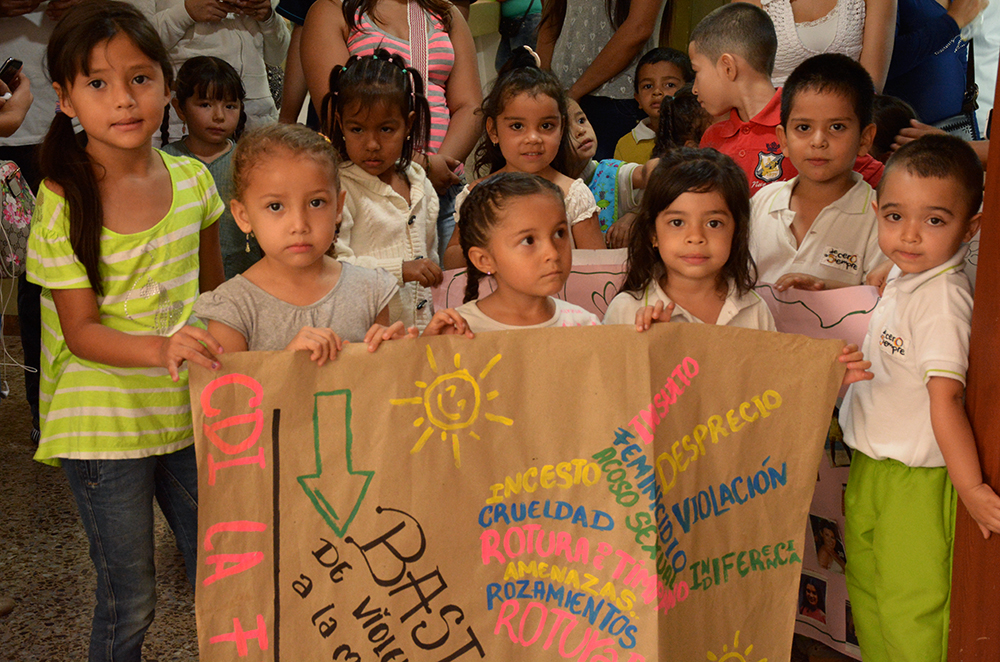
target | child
[
  {"x": 891, "y": 115},
  {"x": 817, "y": 230},
  {"x": 909, "y": 424},
  {"x": 688, "y": 258},
  {"x": 119, "y": 282},
  {"x": 514, "y": 229},
  {"x": 209, "y": 100},
  {"x": 527, "y": 131},
  {"x": 285, "y": 191},
  {"x": 658, "y": 76},
  {"x": 616, "y": 185},
  {"x": 376, "y": 119},
  {"x": 732, "y": 54},
  {"x": 682, "y": 122}
]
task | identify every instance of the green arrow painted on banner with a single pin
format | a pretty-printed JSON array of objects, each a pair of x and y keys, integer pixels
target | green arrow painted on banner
[{"x": 337, "y": 488}]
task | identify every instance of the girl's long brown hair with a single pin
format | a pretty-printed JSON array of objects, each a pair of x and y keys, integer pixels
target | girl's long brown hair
[{"x": 63, "y": 156}]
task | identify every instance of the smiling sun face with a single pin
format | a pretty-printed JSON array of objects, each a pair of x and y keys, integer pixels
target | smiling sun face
[
  {"x": 733, "y": 655},
  {"x": 452, "y": 402}
]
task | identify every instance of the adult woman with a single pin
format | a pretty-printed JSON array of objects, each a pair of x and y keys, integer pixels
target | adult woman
[
  {"x": 592, "y": 47},
  {"x": 334, "y": 31},
  {"x": 860, "y": 29},
  {"x": 930, "y": 59}
]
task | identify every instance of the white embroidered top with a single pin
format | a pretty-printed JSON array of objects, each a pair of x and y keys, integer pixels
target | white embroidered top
[{"x": 841, "y": 31}]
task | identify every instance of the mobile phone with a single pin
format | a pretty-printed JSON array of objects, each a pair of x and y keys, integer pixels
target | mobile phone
[{"x": 9, "y": 71}]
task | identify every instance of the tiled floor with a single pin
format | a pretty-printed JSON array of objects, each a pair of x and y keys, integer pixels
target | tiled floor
[{"x": 44, "y": 565}]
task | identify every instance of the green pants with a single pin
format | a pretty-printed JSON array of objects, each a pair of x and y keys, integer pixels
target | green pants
[{"x": 899, "y": 536}]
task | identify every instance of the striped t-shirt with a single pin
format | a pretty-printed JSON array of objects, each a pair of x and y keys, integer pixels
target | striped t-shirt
[
  {"x": 440, "y": 60},
  {"x": 95, "y": 411}
]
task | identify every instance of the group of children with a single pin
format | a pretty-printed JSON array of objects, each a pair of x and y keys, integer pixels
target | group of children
[{"x": 341, "y": 235}]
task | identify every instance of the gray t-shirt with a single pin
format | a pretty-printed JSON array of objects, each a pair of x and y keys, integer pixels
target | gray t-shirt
[{"x": 268, "y": 323}]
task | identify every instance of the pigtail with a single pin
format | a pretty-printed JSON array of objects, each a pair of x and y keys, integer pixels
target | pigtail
[
  {"x": 664, "y": 129},
  {"x": 420, "y": 131},
  {"x": 329, "y": 109},
  {"x": 64, "y": 160}
]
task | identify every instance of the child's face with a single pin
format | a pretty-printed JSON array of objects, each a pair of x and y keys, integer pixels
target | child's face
[
  {"x": 709, "y": 83},
  {"x": 291, "y": 203},
  {"x": 374, "y": 136},
  {"x": 823, "y": 136},
  {"x": 694, "y": 236},
  {"x": 582, "y": 135},
  {"x": 529, "y": 130},
  {"x": 210, "y": 121},
  {"x": 657, "y": 80},
  {"x": 528, "y": 252},
  {"x": 120, "y": 104},
  {"x": 922, "y": 221}
]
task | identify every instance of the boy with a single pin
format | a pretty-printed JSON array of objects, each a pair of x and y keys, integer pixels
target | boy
[
  {"x": 908, "y": 425},
  {"x": 817, "y": 230},
  {"x": 732, "y": 54},
  {"x": 659, "y": 73}
]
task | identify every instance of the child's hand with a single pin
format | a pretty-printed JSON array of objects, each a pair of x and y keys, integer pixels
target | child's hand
[
  {"x": 448, "y": 322},
  {"x": 877, "y": 276},
  {"x": 378, "y": 333},
  {"x": 799, "y": 282},
  {"x": 189, "y": 344},
  {"x": 424, "y": 271},
  {"x": 323, "y": 344},
  {"x": 618, "y": 233},
  {"x": 644, "y": 317},
  {"x": 984, "y": 506},
  {"x": 857, "y": 367}
]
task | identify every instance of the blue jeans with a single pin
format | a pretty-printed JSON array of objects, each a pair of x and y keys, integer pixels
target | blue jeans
[
  {"x": 115, "y": 499},
  {"x": 526, "y": 36},
  {"x": 446, "y": 217}
]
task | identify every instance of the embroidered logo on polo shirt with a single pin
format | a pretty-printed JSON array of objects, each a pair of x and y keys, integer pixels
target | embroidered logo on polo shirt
[
  {"x": 769, "y": 163},
  {"x": 838, "y": 259},
  {"x": 891, "y": 344}
]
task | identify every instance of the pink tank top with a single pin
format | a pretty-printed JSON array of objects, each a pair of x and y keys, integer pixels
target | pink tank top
[{"x": 441, "y": 58}]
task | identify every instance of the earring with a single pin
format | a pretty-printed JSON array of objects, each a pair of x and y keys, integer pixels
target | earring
[{"x": 248, "y": 241}]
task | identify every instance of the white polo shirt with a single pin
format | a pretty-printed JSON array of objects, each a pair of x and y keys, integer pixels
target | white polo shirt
[
  {"x": 918, "y": 330},
  {"x": 746, "y": 312},
  {"x": 841, "y": 245},
  {"x": 567, "y": 314}
]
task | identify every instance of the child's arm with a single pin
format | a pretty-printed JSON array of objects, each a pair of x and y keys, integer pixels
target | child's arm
[
  {"x": 587, "y": 234},
  {"x": 958, "y": 445},
  {"x": 448, "y": 322},
  {"x": 807, "y": 282},
  {"x": 453, "y": 257},
  {"x": 229, "y": 338},
  {"x": 210, "y": 272},
  {"x": 90, "y": 340}
]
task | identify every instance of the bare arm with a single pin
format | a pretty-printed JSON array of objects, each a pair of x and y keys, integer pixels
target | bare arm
[
  {"x": 14, "y": 110},
  {"x": 548, "y": 34},
  {"x": 627, "y": 42},
  {"x": 587, "y": 234},
  {"x": 229, "y": 338},
  {"x": 323, "y": 46},
  {"x": 876, "y": 45},
  {"x": 463, "y": 93},
  {"x": 958, "y": 445},
  {"x": 293, "y": 94}
]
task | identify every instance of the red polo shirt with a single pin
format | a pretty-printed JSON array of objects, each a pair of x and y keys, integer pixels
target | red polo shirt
[{"x": 754, "y": 146}]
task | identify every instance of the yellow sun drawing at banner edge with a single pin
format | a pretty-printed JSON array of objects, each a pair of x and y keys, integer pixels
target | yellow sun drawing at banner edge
[
  {"x": 452, "y": 402},
  {"x": 734, "y": 654}
]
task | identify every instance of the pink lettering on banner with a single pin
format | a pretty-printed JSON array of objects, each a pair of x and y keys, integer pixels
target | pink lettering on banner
[
  {"x": 212, "y": 430},
  {"x": 239, "y": 636}
]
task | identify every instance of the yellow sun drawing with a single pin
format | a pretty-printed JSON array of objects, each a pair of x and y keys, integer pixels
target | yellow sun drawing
[
  {"x": 733, "y": 654},
  {"x": 451, "y": 402}
]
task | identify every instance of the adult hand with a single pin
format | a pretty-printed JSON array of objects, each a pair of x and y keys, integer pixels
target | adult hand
[
  {"x": 258, "y": 10},
  {"x": 57, "y": 8},
  {"x": 14, "y": 110},
  {"x": 10, "y": 8},
  {"x": 965, "y": 11},
  {"x": 914, "y": 131},
  {"x": 208, "y": 11},
  {"x": 441, "y": 171}
]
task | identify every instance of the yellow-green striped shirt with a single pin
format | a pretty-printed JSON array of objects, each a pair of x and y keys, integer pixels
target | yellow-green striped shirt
[{"x": 94, "y": 411}]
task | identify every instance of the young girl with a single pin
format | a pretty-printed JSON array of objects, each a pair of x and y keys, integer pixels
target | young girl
[
  {"x": 682, "y": 122},
  {"x": 209, "y": 100},
  {"x": 514, "y": 229},
  {"x": 527, "y": 131},
  {"x": 285, "y": 191},
  {"x": 376, "y": 115},
  {"x": 119, "y": 282},
  {"x": 688, "y": 257}
]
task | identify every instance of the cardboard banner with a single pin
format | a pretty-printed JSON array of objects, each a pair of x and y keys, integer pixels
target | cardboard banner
[{"x": 588, "y": 494}]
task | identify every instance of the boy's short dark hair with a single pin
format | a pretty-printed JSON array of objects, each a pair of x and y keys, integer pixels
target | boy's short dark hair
[
  {"x": 942, "y": 157},
  {"x": 671, "y": 55},
  {"x": 742, "y": 29},
  {"x": 891, "y": 115},
  {"x": 831, "y": 73}
]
